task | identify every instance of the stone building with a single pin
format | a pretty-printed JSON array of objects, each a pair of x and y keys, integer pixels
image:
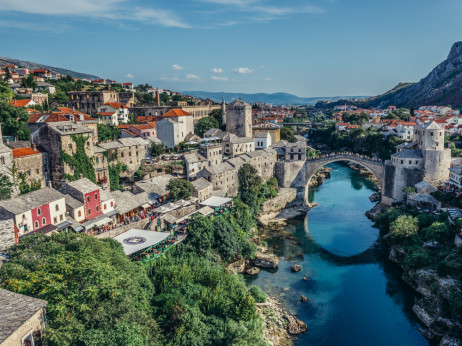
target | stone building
[
  {"x": 239, "y": 118},
  {"x": 174, "y": 127},
  {"x": 23, "y": 319},
  {"x": 32, "y": 164},
  {"x": 89, "y": 101},
  {"x": 6, "y": 157},
  {"x": 6, "y": 234},
  {"x": 224, "y": 176},
  {"x": 234, "y": 145},
  {"x": 207, "y": 155},
  {"x": 425, "y": 159},
  {"x": 57, "y": 138},
  {"x": 262, "y": 139},
  {"x": 203, "y": 189},
  {"x": 272, "y": 129},
  {"x": 287, "y": 151}
]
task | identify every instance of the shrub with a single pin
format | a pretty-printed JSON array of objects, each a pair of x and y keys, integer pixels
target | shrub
[
  {"x": 417, "y": 259},
  {"x": 258, "y": 294},
  {"x": 405, "y": 226}
]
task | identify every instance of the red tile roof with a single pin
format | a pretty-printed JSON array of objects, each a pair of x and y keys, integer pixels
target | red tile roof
[
  {"x": 142, "y": 127},
  {"x": 19, "y": 152},
  {"x": 34, "y": 118},
  {"x": 20, "y": 103},
  {"x": 56, "y": 117},
  {"x": 146, "y": 119},
  {"x": 124, "y": 126},
  {"x": 106, "y": 113},
  {"x": 153, "y": 124},
  {"x": 130, "y": 133},
  {"x": 176, "y": 112},
  {"x": 116, "y": 105}
]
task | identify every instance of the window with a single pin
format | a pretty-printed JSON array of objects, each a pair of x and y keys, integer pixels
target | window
[
  {"x": 79, "y": 213},
  {"x": 39, "y": 212},
  {"x": 37, "y": 171},
  {"x": 36, "y": 224},
  {"x": 55, "y": 220},
  {"x": 61, "y": 217},
  {"x": 88, "y": 199},
  {"x": 70, "y": 146},
  {"x": 410, "y": 162},
  {"x": 112, "y": 204},
  {"x": 97, "y": 208},
  {"x": 57, "y": 207},
  {"x": 431, "y": 133},
  {"x": 89, "y": 211},
  {"x": 105, "y": 206},
  {"x": 97, "y": 160},
  {"x": 44, "y": 221},
  {"x": 402, "y": 161},
  {"x": 96, "y": 196}
]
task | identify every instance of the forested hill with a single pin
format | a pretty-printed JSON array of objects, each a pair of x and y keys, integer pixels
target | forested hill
[
  {"x": 275, "y": 98},
  {"x": 34, "y": 65},
  {"x": 442, "y": 86}
]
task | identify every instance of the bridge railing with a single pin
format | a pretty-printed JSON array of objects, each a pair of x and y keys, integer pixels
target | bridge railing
[{"x": 345, "y": 154}]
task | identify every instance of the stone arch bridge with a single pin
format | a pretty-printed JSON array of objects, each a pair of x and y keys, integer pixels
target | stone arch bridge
[{"x": 298, "y": 174}]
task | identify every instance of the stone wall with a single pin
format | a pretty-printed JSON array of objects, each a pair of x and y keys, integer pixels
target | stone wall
[
  {"x": 32, "y": 168},
  {"x": 35, "y": 323},
  {"x": 6, "y": 234},
  {"x": 284, "y": 197},
  {"x": 122, "y": 229}
]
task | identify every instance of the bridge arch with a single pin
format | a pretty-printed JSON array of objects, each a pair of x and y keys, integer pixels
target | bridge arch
[{"x": 376, "y": 167}]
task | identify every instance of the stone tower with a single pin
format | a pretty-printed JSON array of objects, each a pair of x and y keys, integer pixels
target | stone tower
[
  {"x": 223, "y": 110},
  {"x": 437, "y": 159},
  {"x": 239, "y": 118}
]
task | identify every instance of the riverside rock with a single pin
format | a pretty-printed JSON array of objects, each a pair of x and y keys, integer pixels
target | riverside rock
[
  {"x": 296, "y": 268},
  {"x": 265, "y": 261},
  {"x": 253, "y": 271},
  {"x": 295, "y": 326}
]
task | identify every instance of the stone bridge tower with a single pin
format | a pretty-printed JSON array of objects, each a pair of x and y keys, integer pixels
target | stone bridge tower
[{"x": 239, "y": 118}]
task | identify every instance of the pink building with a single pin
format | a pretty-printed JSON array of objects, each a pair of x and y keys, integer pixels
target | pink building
[{"x": 144, "y": 130}]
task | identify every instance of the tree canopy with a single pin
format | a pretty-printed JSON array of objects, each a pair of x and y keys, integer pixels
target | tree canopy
[
  {"x": 108, "y": 133},
  {"x": 288, "y": 135},
  {"x": 205, "y": 124},
  {"x": 180, "y": 189},
  {"x": 5, "y": 187},
  {"x": 14, "y": 121}
]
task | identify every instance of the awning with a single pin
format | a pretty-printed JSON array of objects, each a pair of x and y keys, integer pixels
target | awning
[
  {"x": 78, "y": 229},
  {"x": 63, "y": 225},
  {"x": 112, "y": 213},
  {"x": 96, "y": 222},
  {"x": 146, "y": 205}
]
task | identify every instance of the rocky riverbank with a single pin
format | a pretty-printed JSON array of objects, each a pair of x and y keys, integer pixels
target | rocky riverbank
[
  {"x": 319, "y": 177},
  {"x": 275, "y": 212},
  {"x": 432, "y": 308}
]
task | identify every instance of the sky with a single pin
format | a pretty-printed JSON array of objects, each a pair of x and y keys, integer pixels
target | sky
[{"x": 310, "y": 48}]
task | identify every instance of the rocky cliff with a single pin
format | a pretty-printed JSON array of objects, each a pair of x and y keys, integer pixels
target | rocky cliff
[{"x": 442, "y": 86}]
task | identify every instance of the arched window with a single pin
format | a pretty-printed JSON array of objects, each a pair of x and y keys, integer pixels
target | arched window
[
  {"x": 44, "y": 221},
  {"x": 36, "y": 224},
  {"x": 79, "y": 213},
  {"x": 57, "y": 207},
  {"x": 97, "y": 208},
  {"x": 39, "y": 212},
  {"x": 89, "y": 211},
  {"x": 96, "y": 196}
]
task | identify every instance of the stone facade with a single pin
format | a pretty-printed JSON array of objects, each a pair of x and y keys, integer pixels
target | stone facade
[
  {"x": 89, "y": 101},
  {"x": 239, "y": 119},
  {"x": 206, "y": 156},
  {"x": 224, "y": 176},
  {"x": 6, "y": 234},
  {"x": 30, "y": 163},
  {"x": 425, "y": 159},
  {"x": 234, "y": 146},
  {"x": 203, "y": 189}
]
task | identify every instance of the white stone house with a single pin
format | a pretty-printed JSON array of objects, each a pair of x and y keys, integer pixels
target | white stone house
[{"x": 262, "y": 139}]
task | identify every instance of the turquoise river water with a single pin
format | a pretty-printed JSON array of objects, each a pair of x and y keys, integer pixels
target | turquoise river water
[{"x": 355, "y": 296}]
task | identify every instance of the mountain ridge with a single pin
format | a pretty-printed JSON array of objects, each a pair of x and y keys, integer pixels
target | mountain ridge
[
  {"x": 441, "y": 87},
  {"x": 34, "y": 65},
  {"x": 279, "y": 98}
]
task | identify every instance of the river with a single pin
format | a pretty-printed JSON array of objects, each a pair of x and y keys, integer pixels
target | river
[{"x": 355, "y": 296}]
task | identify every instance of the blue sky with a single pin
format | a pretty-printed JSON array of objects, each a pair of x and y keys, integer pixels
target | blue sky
[{"x": 308, "y": 48}]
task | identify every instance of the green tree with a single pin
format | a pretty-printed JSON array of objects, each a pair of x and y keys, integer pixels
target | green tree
[
  {"x": 108, "y": 133},
  {"x": 405, "y": 226},
  {"x": 180, "y": 189},
  {"x": 95, "y": 294},
  {"x": 407, "y": 191},
  {"x": 217, "y": 114},
  {"x": 29, "y": 82},
  {"x": 6, "y": 94},
  {"x": 14, "y": 121},
  {"x": 164, "y": 98},
  {"x": 249, "y": 186},
  {"x": 5, "y": 187},
  {"x": 205, "y": 124},
  {"x": 288, "y": 135},
  {"x": 157, "y": 149}
]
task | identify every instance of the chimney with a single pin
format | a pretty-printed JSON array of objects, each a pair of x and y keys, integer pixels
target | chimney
[
  {"x": 34, "y": 147},
  {"x": 158, "y": 98}
]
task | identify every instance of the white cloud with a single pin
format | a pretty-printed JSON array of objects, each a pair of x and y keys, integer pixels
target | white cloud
[
  {"x": 192, "y": 76},
  {"x": 243, "y": 70},
  {"x": 129, "y": 75},
  {"x": 223, "y": 79},
  {"x": 101, "y": 9},
  {"x": 267, "y": 78},
  {"x": 217, "y": 70},
  {"x": 177, "y": 67},
  {"x": 171, "y": 79}
]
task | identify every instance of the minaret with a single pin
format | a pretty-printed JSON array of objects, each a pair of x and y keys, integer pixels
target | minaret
[{"x": 223, "y": 110}]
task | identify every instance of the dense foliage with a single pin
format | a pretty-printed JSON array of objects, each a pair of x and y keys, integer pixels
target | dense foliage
[
  {"x": 288, "y": 135},
  {"x": 358, "y": 140},
  {"x": 180, "y": 189},
  {"x": 205, "y": 124},
  {"x": 14, "y": 121},
  {"x": 108, "y": 133},
  {"x": 5, "y": 187},
  {"x": 79, "y": 161},
  {"x": 157, "y": 149},
  {"x": 95, "y": 294}
]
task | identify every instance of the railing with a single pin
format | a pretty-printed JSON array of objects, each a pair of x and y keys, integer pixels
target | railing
[{"x": 346, "y": 154}]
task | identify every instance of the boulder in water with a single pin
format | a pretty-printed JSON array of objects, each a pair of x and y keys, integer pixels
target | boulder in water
[{"x": 296, "y": 268}]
